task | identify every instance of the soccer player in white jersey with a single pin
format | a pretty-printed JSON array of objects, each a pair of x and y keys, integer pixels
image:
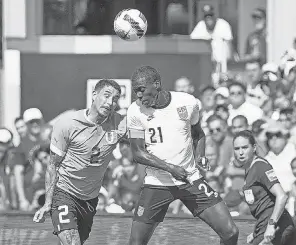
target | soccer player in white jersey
[
  {"x": 163, "y": 129},
  {"x": 81, "y": 148}
]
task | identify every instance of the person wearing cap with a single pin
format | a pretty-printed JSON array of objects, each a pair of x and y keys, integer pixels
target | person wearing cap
[
  {"x": 23, "y": 155},
  {"x": 256, "y": 47},
  {"x": 216, "y": 30},
  {"x": 221, "y": 95}
]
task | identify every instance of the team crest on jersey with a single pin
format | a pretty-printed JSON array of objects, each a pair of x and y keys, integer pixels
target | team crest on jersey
[
  {"x": 249, "y": 196},
  {"x": 111, "y": 137},
  {"x": 183, "y": 113},
  {"x": 140, "y": 211}
]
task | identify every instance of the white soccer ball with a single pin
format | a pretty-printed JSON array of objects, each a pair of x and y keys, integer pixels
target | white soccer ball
[{"x": 130, "y": 24}]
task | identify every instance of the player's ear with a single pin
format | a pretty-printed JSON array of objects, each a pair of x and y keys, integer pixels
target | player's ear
[
  {"x": 157, "y": 85},
  {"x": 94, "y": 95}
]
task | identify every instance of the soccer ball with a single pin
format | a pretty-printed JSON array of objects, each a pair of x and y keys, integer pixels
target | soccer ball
[{"x": 130, "y": 24}]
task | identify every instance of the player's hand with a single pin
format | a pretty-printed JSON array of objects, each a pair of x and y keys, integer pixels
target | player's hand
[
  {"x": 178, "y": 173},
  {"x": 269, "y": 233},
  {"x": 250, "y": 238},
  {"x": 39, "y": 216},
  {"x": 203, "y": 163}
]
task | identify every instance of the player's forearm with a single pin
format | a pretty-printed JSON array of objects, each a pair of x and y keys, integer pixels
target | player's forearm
[
  {"x": 199, "y": 140},
  {"x": 200, "y": 147},
  {"x": 150, "y": 160},
  {"x": 279, "y": 207},
  {"x": 51, "y": 179}
]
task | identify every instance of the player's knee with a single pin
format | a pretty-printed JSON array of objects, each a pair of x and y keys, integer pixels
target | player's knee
[{"x": 231, "y": 236}]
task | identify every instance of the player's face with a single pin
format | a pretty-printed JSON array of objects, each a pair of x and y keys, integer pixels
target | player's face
[
  {"x": 238, "y": 125},
  {"x": 147, "y": 94},
  {"x": 243, "y": 151},
  {"x": 105, "y": 101},
  {"x": 21, "y": 128}
]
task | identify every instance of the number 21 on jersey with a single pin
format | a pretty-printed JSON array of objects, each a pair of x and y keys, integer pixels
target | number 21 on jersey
[{"x": 155, "y": 135}]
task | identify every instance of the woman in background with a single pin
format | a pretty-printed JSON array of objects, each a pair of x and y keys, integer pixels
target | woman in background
[{"x": 264, "y": 195}]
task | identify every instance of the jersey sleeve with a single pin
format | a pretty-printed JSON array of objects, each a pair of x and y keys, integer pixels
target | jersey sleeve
[
  {"x": 195, "y": 111},
  {"x": 60, "y": 137},
  {"x": 267, "y": 176},
  {"x": 134, "y": 126}
]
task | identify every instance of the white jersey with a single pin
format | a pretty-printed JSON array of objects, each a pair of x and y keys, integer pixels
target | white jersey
[{"x": 167, "y": 134}]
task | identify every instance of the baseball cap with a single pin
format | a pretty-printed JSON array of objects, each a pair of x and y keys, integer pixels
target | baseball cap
[
  {"x": 259, "y": 13},
  {"x": 208, "y": 10},
  {"x": 222, "y": 91},
  {"x": 32, "y": 114},
  {"x": 270, "y": 67},
  {"x": 5, "y": 136},
  {"x": 275, "y": 127}
]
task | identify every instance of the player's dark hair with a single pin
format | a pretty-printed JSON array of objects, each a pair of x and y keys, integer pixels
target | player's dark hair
[
  {"x": 144, "y": 75},
  {"x": 247, "y": 134},
  {"x": 107, "y": 82},
  {"x": 241, "y": 117},
  {"x": 236, "y": 83},
  {"x": 18, "y": 119}
]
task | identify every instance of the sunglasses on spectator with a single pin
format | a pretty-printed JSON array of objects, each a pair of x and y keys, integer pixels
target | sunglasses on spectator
[
  {"x": 236, "y": 93},
  {"x": 38, "y": 121},
  {"x": 214, "y": 130},
  {"x": 277, "y": 135}
]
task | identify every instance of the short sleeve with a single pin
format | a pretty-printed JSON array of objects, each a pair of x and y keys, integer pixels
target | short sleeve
[
  {"x": 227, "y": 32},
  {"x": 195, "y": 112},
  {"x": 134, "y": 125},
  {"x": 60, "y": 137},
  {"x": 267, "y": 175}
]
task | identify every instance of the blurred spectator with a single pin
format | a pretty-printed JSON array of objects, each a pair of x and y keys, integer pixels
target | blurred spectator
[
  {"x": 219, "y": 134},
  {"x": 183, "y": 84},
  {"x": 239, "y": 123},
  {"x": 281, "y": 154},
  {"x": 216, "y": 30},
  {"x": 289, "y": 55},
  {"x": 256, "y": 41},
  {"x": 20, "y": 127},
  {"x": 258, "y": 129},
  {"x": 6, "y": 145},
  {"x": 23, "y": 155},
  {"x": 208, "y": 105},
  {"x": 222, "y": 111},
  {"x": 239, "y": 105},
  {"x": 92, "y": 17},
  {"x": 221, "y": 95}
]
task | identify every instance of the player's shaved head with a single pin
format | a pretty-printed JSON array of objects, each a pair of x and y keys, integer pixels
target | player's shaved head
[
  {"x": 106, "y": 83},
  {"x": 145, "y": 75}
]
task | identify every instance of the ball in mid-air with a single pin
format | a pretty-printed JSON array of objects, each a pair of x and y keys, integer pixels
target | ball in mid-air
[{"x": 130, "y": 24}]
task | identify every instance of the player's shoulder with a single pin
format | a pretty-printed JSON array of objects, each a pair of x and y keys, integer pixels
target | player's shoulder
[
  {"x": 120, "y": 121},
  {"x": 261, "y": 165},
  {"x": 133, "y": 109},
  {"x": 66, "y": 121},
  {"x": 183, "y": 99}
]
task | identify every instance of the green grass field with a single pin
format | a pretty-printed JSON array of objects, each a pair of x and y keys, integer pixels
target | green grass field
[{"x": 18, "y": 229}]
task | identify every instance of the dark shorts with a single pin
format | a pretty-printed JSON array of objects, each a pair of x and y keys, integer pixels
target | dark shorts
[
  {"x": 155, "y": 200},
  {"x": 69, "y": 212},
  {"x": 286, "y": 235}
]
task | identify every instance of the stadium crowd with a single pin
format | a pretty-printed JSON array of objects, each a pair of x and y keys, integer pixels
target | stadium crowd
[{"x": 262, "y": 99}]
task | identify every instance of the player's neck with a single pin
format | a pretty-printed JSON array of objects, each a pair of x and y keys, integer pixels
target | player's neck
[
  {"x": 95, "y": 117},
  {"x": 163, "y": 99}
]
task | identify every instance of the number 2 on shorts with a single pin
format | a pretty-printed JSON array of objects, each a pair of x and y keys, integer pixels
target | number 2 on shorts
[
  {"x": 64, "y": 211},
  {"x": 205, "y": 188}
]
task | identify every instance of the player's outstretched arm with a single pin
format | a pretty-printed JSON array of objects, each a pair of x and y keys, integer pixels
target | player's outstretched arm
[
  {"x": 50, "y": 183},
  {"x": 143, "y": 157}
]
